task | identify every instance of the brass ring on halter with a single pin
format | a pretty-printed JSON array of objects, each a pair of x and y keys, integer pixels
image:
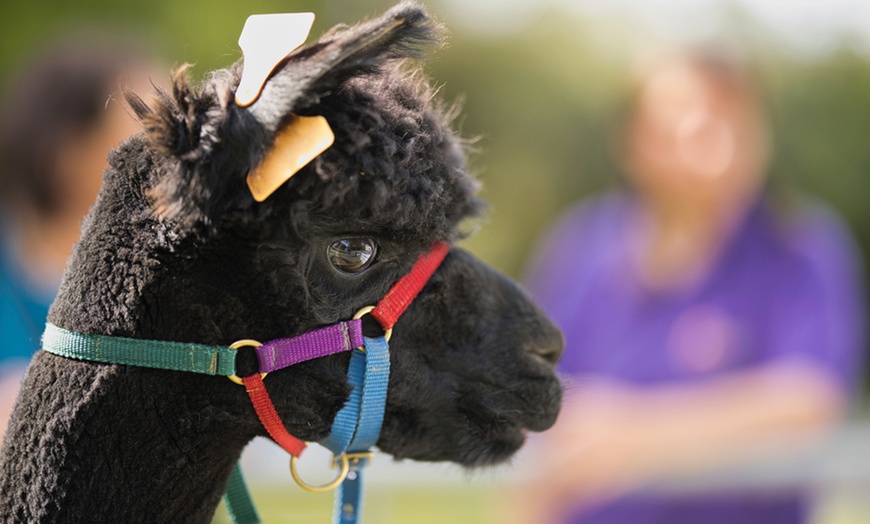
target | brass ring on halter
[
  {"x": 365, "y": 311},
  {"x": 244, "y": 343},
  {"x": 342, "y": 474}
]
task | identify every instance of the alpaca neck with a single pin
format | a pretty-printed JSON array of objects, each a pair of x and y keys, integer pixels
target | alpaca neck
[{"x": 105, "y": 444}]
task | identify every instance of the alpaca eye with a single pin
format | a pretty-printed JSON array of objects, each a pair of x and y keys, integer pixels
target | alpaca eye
[{"x": 352, "y": 255}]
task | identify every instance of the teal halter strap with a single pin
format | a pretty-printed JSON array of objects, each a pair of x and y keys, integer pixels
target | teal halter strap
[{"x": 161, "y": 354}]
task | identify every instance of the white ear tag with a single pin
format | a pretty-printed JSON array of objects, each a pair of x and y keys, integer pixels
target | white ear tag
[{"x": 265, "y": 41}]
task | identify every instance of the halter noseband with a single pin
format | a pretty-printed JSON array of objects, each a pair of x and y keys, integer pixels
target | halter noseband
[{"x": 357, "y": 425}]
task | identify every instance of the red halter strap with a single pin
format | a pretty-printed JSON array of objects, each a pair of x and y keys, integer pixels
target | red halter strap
[
  {"x": 269, "y": 417},
  {"x": 387, "y": 312},
  {"x": 400, "y": 296}
]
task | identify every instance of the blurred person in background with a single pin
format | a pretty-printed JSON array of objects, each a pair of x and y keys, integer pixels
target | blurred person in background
[
  {"x": 59, "y": 117},
  {"x": 705, "y": 324}
]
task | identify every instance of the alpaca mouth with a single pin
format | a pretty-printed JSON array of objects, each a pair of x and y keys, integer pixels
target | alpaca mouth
[
  {"x": 502, "y": 420},
  {"x": 545, "y": 360},
  {"x": 541, "y": 415},
  {"x": 497, "y": 446},
  {"x": 532, "y": 406}
]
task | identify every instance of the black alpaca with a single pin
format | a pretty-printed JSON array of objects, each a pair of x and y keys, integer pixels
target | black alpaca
[{"x": 176, "y": 248}]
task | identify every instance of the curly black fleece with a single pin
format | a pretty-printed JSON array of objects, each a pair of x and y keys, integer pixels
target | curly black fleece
[{"x": 175, "y": 248}]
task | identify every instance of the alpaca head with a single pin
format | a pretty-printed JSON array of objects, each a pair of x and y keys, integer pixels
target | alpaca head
[{"x": 472, "y": 358}]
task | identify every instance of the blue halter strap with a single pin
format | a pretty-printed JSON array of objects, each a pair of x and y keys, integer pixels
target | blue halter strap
[{"x": 358, "y": 424}]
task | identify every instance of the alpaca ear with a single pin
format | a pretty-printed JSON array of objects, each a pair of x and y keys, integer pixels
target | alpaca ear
[
  {"x": 207, "y": 144},
  {"x": 302, "y": 78},
  {"x": 405, "y": 31}
]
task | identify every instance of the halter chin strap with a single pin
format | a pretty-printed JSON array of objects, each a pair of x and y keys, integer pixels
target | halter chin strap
[{"x": 356, "y": 427}]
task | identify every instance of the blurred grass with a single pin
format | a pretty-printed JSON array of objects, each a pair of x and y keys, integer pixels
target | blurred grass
[
  {"x": 455, "y": 504},
  {"x": 419, "y": 504}
]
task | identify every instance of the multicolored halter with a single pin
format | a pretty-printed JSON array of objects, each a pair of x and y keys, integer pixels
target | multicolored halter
[{"x": 357, "y": 425}]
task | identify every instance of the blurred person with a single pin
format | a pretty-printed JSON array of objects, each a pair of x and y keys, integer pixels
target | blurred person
[
  {"x": 705, "y": 324},
  {"x": 60, "y": 116}
]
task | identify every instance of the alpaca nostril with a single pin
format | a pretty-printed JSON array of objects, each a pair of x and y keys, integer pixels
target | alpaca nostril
[{"x": 549, "y": 349}]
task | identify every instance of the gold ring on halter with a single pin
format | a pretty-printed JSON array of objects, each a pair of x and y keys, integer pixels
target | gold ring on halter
[
  {"x": 365, "y": 311},
  {"x": 344, "y": 464},
  {"x": 244, "y": 343}
]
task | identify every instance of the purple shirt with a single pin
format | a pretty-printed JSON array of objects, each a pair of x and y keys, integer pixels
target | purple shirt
[{"x": 778, "y": 289}]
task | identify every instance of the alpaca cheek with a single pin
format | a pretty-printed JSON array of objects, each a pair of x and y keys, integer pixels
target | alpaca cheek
[{"x": 473, "y": 368}]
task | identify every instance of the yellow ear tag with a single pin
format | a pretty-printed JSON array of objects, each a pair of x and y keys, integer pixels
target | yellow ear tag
[
  {"x": 295, "y": 145},
  {"x": 265, "y": 41}
]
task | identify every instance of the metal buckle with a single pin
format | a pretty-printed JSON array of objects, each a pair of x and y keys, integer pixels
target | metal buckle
[
  {"x": 365, "y": 311},
  {"x": 355, "y": 459},
  {"x": 243, "y": 344},
  {"x": 344, "y": 463}
]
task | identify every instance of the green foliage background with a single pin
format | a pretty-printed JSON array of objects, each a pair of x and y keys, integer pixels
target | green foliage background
[{"x": 541, "y": 101}]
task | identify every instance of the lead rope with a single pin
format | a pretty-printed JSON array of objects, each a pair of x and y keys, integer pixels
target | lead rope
[{"x": 238, "y": 500}]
